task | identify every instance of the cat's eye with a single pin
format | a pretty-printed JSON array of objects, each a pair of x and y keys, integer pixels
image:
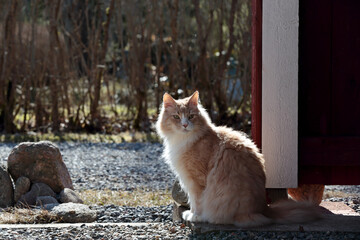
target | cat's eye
[
  {"x": 191, "y": 116},
  {"x": 176, "y": 116}
]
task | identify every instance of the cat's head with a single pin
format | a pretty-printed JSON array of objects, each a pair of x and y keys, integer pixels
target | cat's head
[{"x": 182, "y": 116}]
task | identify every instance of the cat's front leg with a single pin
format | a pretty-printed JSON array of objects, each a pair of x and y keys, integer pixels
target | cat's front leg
[{"x": 194, "y": 214}]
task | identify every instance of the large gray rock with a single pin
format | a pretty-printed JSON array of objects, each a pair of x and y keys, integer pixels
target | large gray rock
[
  {"x": 6, "y": 188},
  {"x": 179, "y": 195},
  {"x": 37, "y": 190},
  {"x": 22, "y": 186},
  {"x": 68, "y": 195},
  {"x": 74, "y": 213},
  {"x": 40, "y": 162}
]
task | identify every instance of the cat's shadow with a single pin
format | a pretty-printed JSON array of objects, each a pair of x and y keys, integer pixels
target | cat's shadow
[{"x": 330, "y": 222}]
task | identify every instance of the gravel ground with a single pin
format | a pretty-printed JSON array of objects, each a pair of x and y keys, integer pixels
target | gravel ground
[
  {"x": 124, "y": 166},
  {"x": 158, "y": 231},
  {"x": 353, "y": 200},
  {"x": 129, "y": 166}
]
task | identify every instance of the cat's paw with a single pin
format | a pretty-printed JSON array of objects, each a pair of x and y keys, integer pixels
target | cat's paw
[{"x": 191, "y": 217}]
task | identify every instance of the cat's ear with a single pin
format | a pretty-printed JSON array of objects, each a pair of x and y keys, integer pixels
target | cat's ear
[
  {"x": 168, "y": 101},
  {"x": 194, "y": 99}
]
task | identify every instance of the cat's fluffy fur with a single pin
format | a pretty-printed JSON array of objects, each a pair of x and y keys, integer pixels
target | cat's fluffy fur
[{"x": 220, "y": 169}]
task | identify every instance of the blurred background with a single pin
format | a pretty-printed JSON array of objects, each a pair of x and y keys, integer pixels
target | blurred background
[{"x": 102, "y": 66}]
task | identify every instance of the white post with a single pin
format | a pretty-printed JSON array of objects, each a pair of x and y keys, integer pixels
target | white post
[{"x": 280, "y": 92}]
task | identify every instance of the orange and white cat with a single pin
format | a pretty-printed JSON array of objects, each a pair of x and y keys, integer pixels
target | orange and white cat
[{"x": 220, "y": 169}]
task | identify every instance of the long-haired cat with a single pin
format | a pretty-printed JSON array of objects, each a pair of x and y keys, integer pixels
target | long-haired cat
[{"x": 220, "y": 169}]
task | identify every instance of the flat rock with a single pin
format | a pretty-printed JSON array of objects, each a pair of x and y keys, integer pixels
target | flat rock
[
  {"x": 337, "y": 218},
  {"x": 69, "y": 195},
  {"x": 75, "y": 213},
  {"x": 40, "y": 162},
  {"x": 22, "y": 186},
  {"x": 6, "y": 188},
  {"x": 37, "y": 190}
]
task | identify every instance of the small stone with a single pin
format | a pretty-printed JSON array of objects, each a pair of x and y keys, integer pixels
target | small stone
[
  {"x": 6, "y": 188},
  {"x": 75, "y": 213},
  {"x": 50, "y": 206},
  {"x": 179, "y": 195},
  {"x": 44, "y": 200},
  {"x": 22, "y": 186},
  {"x": 356, "y": 201},
  {"x": 37, "y": 189},
  {"x": 309, "y": 236},
  {"x": 69, "y": 195}
]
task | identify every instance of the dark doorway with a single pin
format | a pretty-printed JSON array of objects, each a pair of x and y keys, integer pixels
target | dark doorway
[{"x": 329, "y": 92}]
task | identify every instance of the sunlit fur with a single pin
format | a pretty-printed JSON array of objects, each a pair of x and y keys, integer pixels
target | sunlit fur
[{"x": 220, "y": 169}]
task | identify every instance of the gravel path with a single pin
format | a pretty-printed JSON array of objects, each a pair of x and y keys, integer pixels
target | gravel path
[
  {"x": 124, "y": 166},
  {"x": 129, "y": 166}
]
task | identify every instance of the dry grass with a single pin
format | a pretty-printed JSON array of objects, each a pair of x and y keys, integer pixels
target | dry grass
[
  {"x": 134, "y": 198},
  {"x": 127, "y": 198},
  {"x": 27, "y": 216},
  {"x": 100, "y": 197}
]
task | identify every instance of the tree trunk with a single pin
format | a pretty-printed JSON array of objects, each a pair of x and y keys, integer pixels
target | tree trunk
[
  {"x": 56, "y": 63},
  {"x": 100, "y": 69},
  {"x": 203, "y": 81},
  {"x": 8, "y": 80}
]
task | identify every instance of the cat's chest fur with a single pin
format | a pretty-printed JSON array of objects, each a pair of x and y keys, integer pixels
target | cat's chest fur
[
  {"x": 188, "y": 160},
  {"x": 175, "y": 150}
]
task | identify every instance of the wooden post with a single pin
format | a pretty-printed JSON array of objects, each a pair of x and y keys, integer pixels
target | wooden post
[{"x": 256, "y": 85}]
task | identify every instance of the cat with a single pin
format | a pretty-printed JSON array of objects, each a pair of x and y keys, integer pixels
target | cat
[
  {"x": 308, "y": 192},
  {"x": 220, "y": 169}
]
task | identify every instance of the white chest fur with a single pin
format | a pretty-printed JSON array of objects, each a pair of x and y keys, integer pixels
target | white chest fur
[{"x": 173, "y": 154}]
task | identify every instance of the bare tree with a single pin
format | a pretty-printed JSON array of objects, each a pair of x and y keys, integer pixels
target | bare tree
[
  {"x": 224, "y": 55},
  {"x": 139, "y": 43},
  {"x": 55, "y": 56},
  {"x": 8, "y": 80},
  {"x": 203, "y": 33},
  {"x": 71, "y": 63},
  {"x": 99, "y": 61}
]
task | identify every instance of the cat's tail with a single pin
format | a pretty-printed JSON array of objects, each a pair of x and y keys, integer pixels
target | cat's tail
[
  {"x": 283, "y": 212},
  {"x": 289, "y": 211},
  {"x": 252, "y": 220}
]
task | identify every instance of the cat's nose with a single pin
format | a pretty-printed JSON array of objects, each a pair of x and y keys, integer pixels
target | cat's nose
[{"x": 185, "y": 125}]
